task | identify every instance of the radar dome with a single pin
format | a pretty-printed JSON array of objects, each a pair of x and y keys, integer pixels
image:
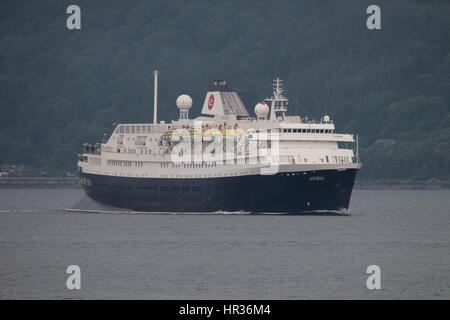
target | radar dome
[
  {"x": 261, "y": 110},
  {"x": 326, "y": 118},
  {"x": 184, "y": 102}
]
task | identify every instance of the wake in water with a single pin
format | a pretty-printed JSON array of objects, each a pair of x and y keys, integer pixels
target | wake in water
[{"x": 86, "y": 204}]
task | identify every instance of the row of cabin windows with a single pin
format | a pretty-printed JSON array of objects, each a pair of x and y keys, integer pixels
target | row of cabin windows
[
  {"x": 265, "y": 130},
  {"x": 307, "y": 131},
  {"x": 298, "y": 159},
  {"x": 145, "y": 128},
  {"x": 280, "y": 159},
  {"x": 189, "y": 165},
  {"x": 134, "y": 128},
  {"x": 209, "y": 175},
  {"x": 121, "y": 163}
]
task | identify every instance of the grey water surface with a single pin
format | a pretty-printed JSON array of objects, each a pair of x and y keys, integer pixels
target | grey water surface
[{"x": 126, "y": 255}]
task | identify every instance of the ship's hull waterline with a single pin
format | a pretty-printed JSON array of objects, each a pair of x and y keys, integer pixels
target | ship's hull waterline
[{"x": 295, "y": 192}]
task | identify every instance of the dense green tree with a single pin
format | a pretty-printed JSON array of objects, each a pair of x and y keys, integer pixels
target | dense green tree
[{"x": 60, "y": 88}]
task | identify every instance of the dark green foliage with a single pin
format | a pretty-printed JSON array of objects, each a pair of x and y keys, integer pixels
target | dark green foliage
[{"x": 60, "y": 88}]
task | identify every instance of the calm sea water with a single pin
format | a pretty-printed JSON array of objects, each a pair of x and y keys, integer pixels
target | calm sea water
[{"x": 241, "y": 256}]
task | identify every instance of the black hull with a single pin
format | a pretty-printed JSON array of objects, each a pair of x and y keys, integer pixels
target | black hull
[{"x": 281, "y": 193}]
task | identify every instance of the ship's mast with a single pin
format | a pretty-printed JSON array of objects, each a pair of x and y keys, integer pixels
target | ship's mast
[
  {"x": 155, "y": 96},
  {"x": 278, "y": 101}
]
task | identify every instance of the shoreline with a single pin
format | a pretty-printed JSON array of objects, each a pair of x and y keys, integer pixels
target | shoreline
[
  {"x": 74, "y": 182},
  {"x": 39, "y": 182}
]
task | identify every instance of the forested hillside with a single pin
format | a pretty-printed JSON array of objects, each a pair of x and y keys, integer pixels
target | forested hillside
[{"x": 61, "y": 88}]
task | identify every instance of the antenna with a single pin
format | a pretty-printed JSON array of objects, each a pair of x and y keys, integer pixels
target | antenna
[
  {"x": 278, "y": 101},
  {"x": 155, "y": 96}
]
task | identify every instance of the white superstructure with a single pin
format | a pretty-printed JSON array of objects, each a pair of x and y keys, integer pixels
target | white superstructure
[{"x": 146, "y": 150}]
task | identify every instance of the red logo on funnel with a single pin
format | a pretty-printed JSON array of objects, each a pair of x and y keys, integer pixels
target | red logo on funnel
[{"x": 210, "y": 102}]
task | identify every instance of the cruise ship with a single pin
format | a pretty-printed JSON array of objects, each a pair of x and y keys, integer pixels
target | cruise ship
[{"x": 224, "y": 160}]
